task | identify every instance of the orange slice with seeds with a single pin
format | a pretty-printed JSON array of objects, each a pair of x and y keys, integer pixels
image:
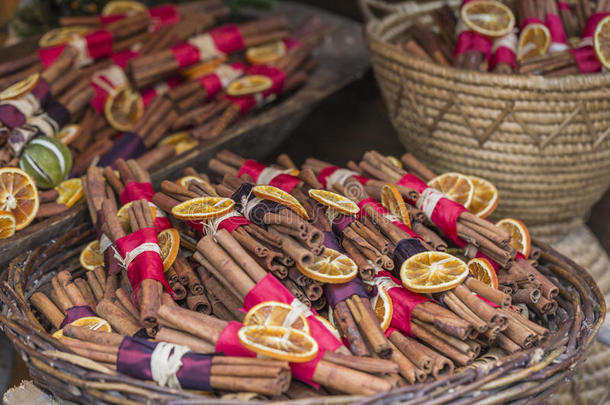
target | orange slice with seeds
[
  {"x": 485, "y": 197},
  {"x": 266, "y": 53},
  {"x": 91, "y": 322},
  {"x": 456, "y": 186},
  {"x": 331, "y": 267},
  {"x": 482, "y": 270},
  {"x": 383, "y": 307},
  {"x": 273, "y": 313},
  {"x": 601, "y": 42},
  {"x": 91, "y": 256},
  {"x": 488, "y": 17},
  {"x": 519, "y": 235},
  {"x": 280, "y": 197},
  {"x": 69, "y": 133},
  {"x": 20, "y": 88},
  {"x": 534, "y": 40},
  {"x": 169, "y": 244},
  {"x": 18, "y": 195},
  {"x": 337, "y": 202},
  {"x": 250, "y": 84},
  {"x": 430, "y": 272},
  {"x": 7, "y": 224},
  {"x": 203, "y": 208},
  {"x": 123, "y": 216},
  {"x": 70, "y": 192},
  {"x": 279, "y": 342},
  {"x": 392, "y": 200},
  {"x": 123, "y": 108}
]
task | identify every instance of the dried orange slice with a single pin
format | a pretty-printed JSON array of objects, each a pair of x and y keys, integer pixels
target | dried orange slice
[
  {"x": 279, "y": 342},
  {"x": 601, "y": 42},
  {"x": 68, "y": 133},
  {"x": 383, "y": 307},
  {"x": 169, "y": 244},
  {"x": 429, "y": 272},
  {"x": 70, "y": 192},
  {"x": 91, "y": 256},
  {"x": 519, "y": 235},
  {"x": 266, "y": 53},
  {"x": 328, "y": 324},
  {"x": 185, "y": 181},
  {"x": 185, "y": 146},
  {"x": 534, "y": 40},
  {"x": 62, "y": 35},
  {"x": 482, "y": 270},
  {"x": 273, "y": 313},
  {"x": 484, "y": 198},
  {"x": 337, "y": 202},
  {"x": 91, "y": 322},
  {"x": 395, "y": 161},
  {"x": 123, "y": 7},
  {"x": 250, "y": 84},
  {"x": 392, "y": 200},
  {"x": 7, "y": 224},
  {"x": 331, "y": 267},
  {"x": 488, "y": 17},
  {"x": 18, "y": 195},
  {"x": 456, "y": 186},
  {"x": 123, "y": 108},
  {"x": 123, "y": 216},
  {"x": 175, "y": 139},
  {"x": 20, "y": 88},
  {"x": 203, "y": 208},
  {"x": 203, "y": 68},
  {"x": 280, "y": 197}
]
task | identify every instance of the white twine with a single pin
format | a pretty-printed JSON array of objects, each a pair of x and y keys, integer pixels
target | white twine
[
  {"x": 470, "y": 250},
  {"x": 339, "y": 176},
  {"x": 45, "y": 124},
  {"x": 248, "y": 205},
  {"x": 161, "y": 88},
  {"x": 211, "y": 226},
  {"x": 428, "y": 199},
  {"x": 558, "y": 47},
  {"x": 297, "y": 308},
  {"x": 205, "y": 46},
  {"x": 112, "y": 74},
  {"x": 130, "y": 256},
  {"x": 165, "y": 362},
  {"x": 105, "y": 243},
  {"x": 226, "y": 74},
  {"x": 386, "y": 283},
  {"x": 391, "y": 217},
  {"x": 82, "y": 51},
  {"x": 509, "y": 41},
  {"x": 26, "y": 104},
  {"x": 588, "y": 41},
  {"x": 267, "y": 175}
]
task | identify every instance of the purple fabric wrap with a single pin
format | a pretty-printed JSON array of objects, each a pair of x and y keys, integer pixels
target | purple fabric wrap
[
  {"x": 336, "y": 293},
  {"x": 128, "y": 146},
  {"x": 11, "y": 117},
  {"x": 341, "y": 222},
  {"x": 58, "y": 112},
  {"x": 331, "y": 241},
  {"x": 257, "y": 214},
  {"x": 405, "y": 249},
  {"x": 134, "y": 360},
  {"x": 74, "y": 313}
]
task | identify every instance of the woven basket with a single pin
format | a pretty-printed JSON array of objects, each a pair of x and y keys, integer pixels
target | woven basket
[
  {"x": 544, "y": 142},
  {"x": 531, "y": 375}
]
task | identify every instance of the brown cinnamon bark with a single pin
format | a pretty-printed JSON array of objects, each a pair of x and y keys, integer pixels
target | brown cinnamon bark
[{"x": 42, "y": 303}]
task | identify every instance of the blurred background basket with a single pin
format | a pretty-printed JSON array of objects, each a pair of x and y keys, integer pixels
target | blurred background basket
[{"x": 544, "y": 142}]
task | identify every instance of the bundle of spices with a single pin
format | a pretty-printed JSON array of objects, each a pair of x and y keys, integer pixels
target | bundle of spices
[{"x": 543, "y": 37}]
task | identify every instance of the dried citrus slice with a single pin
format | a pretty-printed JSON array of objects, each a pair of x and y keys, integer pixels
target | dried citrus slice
[
  {"x": 123, "y": 216},
  {"x": 534, "y": 40},
  {"x": 273, "y": 313},
  {"x": 484, "y": 198},
  {"x": 20, "y": 88},
  {"x": 169, "y": 244},
  {"x": 175, "y": 139},
  {"x": 337, "y": 202},
  {"x": 185, "y": 146},
  {"x": 91, "y": 256},
  {"x": 18, "y": 195},
  {"x": 70, "y": 192},
  {"x": 185, "y": 181},
  {"x": 392, "y": 200},
  {"x": 429, "y": 272},
  {"x": 601, "y": 42},
  {"x": 123, "y": 108},
  {"x": 279, "y": 342},
  {"x": 123, "y": 7},
  {"x": 62, "y": 35},
  {"x": 331, "y": 267},
  {"x": 203, "y": 68},
  {"x": 395, "y": 161},
  {"x": 328, "y": 324},
  {"x": 266, "y": 53},
  {"x": 488, "y": 17},
  {"x": 482, "y": 270},
  {"x": 7, "y": 224},
  {"x": 519, "y": 235},
  {"x": 91, "y": 322},
  {"x": 68, "y": 133},
  {"x": 280, "y": 197},
  {"x": 203, "y": 208},
  {"x": 383, "y": 307},
  {"x": 456, "y": 186},
  {"x": 250, "y": 84}
]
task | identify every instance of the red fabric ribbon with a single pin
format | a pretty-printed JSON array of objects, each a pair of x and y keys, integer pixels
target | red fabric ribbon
[
  {"x": 585, "y": 55},
  {"x": 212, "y": 82},
  {"x": 99, "y": 45},
  {"x": 277, "y": 76},
  {"x": 228, "y": 38},
  {"x": 471, "y": 41},
  {"x": 232, "y": 223},
  {"x": 446, "y": 213},
  {"x": 148, "y": 264},
  {"x": 291, "y": 43},
  {"x": 562, "y": 5},
  {"x": 229, "y": 344},
  {"x": 135, "y": 191},
  {"x": 150, "y": 93},
  {"x": 283, "y": 181},
  {"x": 383, "y": 211},
  {"x": 503, "y": 55},
  {"x": 326, "y": 173},
  {"x": 185, "y": 54},
  {"x": 555, "y": 26}
]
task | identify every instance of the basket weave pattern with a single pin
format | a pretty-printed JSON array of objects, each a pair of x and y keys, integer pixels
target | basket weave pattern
[{"x": 544, "y": 142}]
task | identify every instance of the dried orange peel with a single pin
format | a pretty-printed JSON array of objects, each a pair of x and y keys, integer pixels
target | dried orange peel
[
  {"x": 534, "y": 40},
  {"x": 250, "y": 84},
  {"x": 482, "y": 270},
  {"x": 279, "y": 342},
  {"x": 392, "y": 200},
  {"x": 169, "y": 244},
  {"x": 430, "y": 272},
  {"x": 334, "y": 201},
  {"x": 485, "y": 197},
  {"x": 273, "y": 313},
  {"x": 70, "y": 192},
  {"x": 92, "y": 322},
  {"x": 331, "y": 267},
  {"x": 203, "y": 208},
  {"x": 7, "y": 224},
  {"x": 123, "y": 108},
  {"x": 280, "y": 197},
  {"x": 383, "y": 307},
  {"x": 266, "y": 53},
  {"x": 91, "y": 256}
]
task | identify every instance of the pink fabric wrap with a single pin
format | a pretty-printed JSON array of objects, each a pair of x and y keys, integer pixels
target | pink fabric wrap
[
  {"x": 592, "y": 22},
  {"x": 481, "y": 255},
  {"x": 404, "y": 301},
  {"x": 291, "y": 43},
  {"x": 382, "y": 210},
  {"x": 150, "y": 93},
  {"x": 147, "y": 265},
  {"x": 362, "y": 180},
  {"x": 212, "y": 83},
  {"x": 586, "y": 59},
  {"x": 232, "y": 223},
  {"x": 446, "y": 213},
  {"x": 326, "y": 173},
  {"x": 185, "y": 54},
  {"x": 99, "y": 45},
  {"x": 503, "y": 55},
  {"x": 122, "y": 58},
  {"x": 277, "y": 76},
  {"x": 562, "y": 5},
  {"x": 283, "y": 181},
  {"x": 468, "y": 41},
  {"x": 555, "y": 26},
  {"x": 270, "y": 289},
  {"x": 137, "y": 191},
  {"x": 229, "y": 344},
  {"x": 228, "y": 38}
]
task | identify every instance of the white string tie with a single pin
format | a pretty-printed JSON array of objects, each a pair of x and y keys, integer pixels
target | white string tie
[
  {"x": 45, "y": 124},
  {"x": 109, "y": 79},
  {"x": 205, "y": 46},
  {"x": 130, "y": 256},
  {"x": 82, "y": 51},
  {"x": 470, "y": 250},
  {"x": 267, "y": 175},
  {"x": 248, "y": 205},
  {"x": 226, "y": 74},
  {"x": 211, "y": 226},
  {"x": 428, "y": 199},
  {"x": 26, "y": 104},
  {"x": 386, "y": 283},
  {"x": 339, "y": 176},
  {"x": 105, "y": 243},
  {"x": 391, "y": 217},
  {"x": 161, "y": 88},
  {"x": 297, "y": 308},
  {"x": 509, "y": 41},
  {"x": 165, "y": 362}
]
